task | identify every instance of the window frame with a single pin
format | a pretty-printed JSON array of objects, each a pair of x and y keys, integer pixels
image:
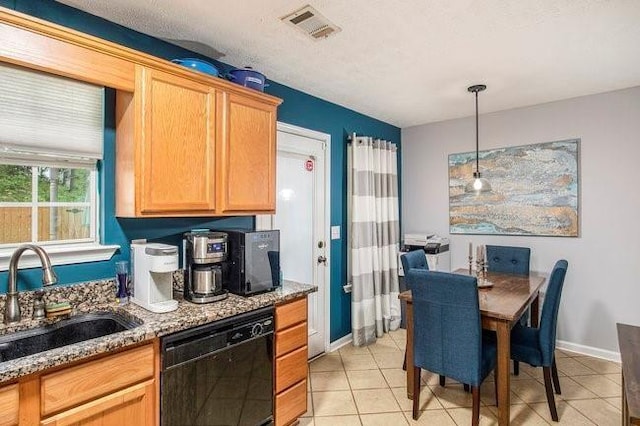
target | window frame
[{"x": 61, "y": 252}]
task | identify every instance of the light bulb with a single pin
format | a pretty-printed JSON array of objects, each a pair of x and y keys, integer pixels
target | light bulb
[{"x": 477, "y": 185}]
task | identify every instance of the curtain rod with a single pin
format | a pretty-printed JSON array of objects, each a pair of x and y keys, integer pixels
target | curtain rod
[{"x": 353, "y": 136}]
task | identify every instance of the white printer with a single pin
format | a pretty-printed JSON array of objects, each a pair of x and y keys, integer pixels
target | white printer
[
  {"x": 436, "y": 250},
  {"x": 430, "y": 243}
]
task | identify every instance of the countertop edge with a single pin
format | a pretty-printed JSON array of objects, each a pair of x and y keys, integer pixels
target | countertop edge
[{"x": 154, "y": 326}]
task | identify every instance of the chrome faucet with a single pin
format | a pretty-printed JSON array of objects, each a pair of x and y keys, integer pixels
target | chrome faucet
[{"x": 12, "y": 306}]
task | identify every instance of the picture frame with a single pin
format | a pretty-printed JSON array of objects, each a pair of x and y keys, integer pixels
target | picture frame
[{"x": 535, "y": 191}]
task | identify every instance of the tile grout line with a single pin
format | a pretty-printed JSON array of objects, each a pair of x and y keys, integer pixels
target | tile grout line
[
  {"x": 353, "y": 397},
  {"x": 568, "y": 402},
  {"x": 529, "y": 405},
  {"x": 579, "y": 411},
  {"x": 313, "y": 408}
]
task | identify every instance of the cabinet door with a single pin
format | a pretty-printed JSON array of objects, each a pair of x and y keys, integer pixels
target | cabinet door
[
  {"x": 291, "y": 368},
  {"x": 291, "y": 404},
  {"x": 248, "y": 154},
  {"x": 177, "y": 152},
  {"x": 132, "y": 407},
  {"x": 88, "y": 381},
  {"x": 291, "y": 339},
  {"x": 9, "y": 405},
  {"x": 291, "y": 313}
]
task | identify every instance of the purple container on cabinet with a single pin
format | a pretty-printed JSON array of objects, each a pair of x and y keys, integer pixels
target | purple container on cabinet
[{"x": 249, "y": 78}]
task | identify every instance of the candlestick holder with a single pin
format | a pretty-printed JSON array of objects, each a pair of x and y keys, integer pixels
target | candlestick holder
[{"x": 470, "y": 265}]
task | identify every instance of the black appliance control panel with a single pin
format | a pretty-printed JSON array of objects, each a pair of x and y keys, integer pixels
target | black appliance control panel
[
  {"x": 250, "y": 330},
  {"x": 184, "y": 346}
]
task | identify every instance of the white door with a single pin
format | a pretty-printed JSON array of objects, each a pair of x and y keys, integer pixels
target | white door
[{"x": 302, "y": 216}]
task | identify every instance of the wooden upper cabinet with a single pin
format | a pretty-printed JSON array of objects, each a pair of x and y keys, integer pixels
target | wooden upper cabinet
[
  {"x": 178, "y": 145},
  {"x": 248, "y": 152},
  {"x": 166, "y": 147},
  {"x": 187, "y": 144},
  {"x": 191, "y": 148}
]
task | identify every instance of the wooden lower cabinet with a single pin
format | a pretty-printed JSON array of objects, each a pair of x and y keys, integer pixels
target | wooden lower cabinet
[
  {"x": 118, "y": 389},
  {"x": 131, "y": 406},
  {"x": 9, "y": 405},
  {"x": 75, "y": 385},
  {"x": 291, "y": 365},
  {"x": 291, "y": 368},
  {"x": 291, "y": 403}
]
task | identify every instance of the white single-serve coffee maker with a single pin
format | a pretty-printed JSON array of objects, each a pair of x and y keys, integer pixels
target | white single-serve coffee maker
[{"x": 153, "y": 265}]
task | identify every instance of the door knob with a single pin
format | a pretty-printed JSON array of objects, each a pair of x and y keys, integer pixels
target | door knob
[{"x": 322, "y": 259}]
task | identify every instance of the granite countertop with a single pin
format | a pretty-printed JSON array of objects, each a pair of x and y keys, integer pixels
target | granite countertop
[{"x": 154, "y": 325}]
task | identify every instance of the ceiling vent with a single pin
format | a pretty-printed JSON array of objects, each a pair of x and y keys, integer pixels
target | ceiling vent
[{"x": 312, "y": 23}]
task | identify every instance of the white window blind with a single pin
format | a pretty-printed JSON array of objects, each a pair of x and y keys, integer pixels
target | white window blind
[{"x": 49, "y": 115}]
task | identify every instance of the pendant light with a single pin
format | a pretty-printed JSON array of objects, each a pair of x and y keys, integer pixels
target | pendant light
[{"x": 479, "y": 184}]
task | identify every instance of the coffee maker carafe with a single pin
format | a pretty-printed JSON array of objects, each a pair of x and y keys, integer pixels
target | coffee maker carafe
[{"x": 205, "y": 266}]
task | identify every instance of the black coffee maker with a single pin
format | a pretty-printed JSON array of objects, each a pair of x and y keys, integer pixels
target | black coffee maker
[
  {"x": 205, "y": 256},
  {"x": 254, "y": 261}
]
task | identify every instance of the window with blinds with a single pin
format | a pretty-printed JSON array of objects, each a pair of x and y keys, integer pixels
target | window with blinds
[{"x": 51, "y": 138}]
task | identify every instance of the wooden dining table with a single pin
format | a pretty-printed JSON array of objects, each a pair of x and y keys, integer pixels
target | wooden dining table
[
  {"x": 501, "y": 306},
  {"x": 629, "y": 343}
]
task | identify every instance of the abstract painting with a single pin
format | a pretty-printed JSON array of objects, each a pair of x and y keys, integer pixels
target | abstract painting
[{"x": 535, "y": 191}]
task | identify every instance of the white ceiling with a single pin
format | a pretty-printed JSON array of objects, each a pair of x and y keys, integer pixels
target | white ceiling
[{"x": 410, "y": 62}]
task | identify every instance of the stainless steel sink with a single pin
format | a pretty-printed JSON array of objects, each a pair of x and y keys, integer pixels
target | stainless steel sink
[{"x": 66, "y": 332}]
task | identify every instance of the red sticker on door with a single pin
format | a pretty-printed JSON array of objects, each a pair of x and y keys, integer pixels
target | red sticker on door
[{"x": 309, "y": 165}]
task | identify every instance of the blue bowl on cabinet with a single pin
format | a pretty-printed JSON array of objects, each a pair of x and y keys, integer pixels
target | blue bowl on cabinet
[{"x": 198, "y": 65}]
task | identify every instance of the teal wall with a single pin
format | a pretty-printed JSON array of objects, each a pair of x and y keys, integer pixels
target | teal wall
[{"x": 298, "y": 108}]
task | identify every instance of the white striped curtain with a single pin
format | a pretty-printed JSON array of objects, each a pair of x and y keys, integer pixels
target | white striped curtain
[{"x": 374, "y": 238}]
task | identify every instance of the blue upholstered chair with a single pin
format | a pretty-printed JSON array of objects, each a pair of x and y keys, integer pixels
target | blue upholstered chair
[
  {"x": 536, "y": 346},
  {"x": 448, "y": 332},
  {"x": 414, "y": 260},
  {"x": 511, "y": 260}
]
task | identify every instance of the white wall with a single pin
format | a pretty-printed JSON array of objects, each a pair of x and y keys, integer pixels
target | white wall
[{"x": 602, "y": 286}]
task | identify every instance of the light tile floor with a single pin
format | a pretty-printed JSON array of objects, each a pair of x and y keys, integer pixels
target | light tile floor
[{"x": 366, "y": 386}]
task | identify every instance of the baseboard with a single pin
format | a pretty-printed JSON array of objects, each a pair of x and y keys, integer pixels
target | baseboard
[
  {"x": 560, "y": 344},
  {"x": 343, "y": 341},
  {"x": 588, "y": 350}
]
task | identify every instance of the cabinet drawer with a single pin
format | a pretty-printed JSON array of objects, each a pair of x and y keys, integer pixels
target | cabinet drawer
[
  {"x": 72, "y": 386},
  {"x": 291, "y": 404},
  {"x": 131, "y": 406},
  {"x": 9, "y": 405},
  {"x": 291, "y": 368},
  {"x": 291, "y": 313},
  {"x": 291, "y": 339}
]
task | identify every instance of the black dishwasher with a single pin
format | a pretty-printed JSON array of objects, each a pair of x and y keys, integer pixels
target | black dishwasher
[{"x": 219, "y": 373}]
